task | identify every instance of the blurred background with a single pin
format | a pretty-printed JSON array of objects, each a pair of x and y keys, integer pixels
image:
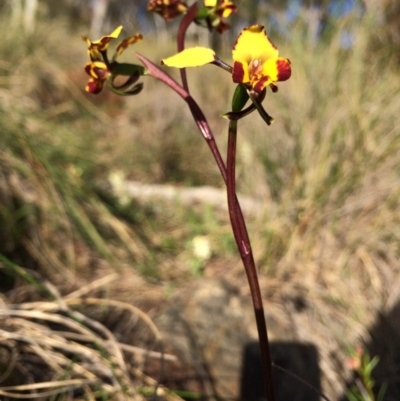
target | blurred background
[{"x": 124, "y": 190}]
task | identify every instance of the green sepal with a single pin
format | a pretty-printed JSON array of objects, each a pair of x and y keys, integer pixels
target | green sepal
[
  {"x": 135, "y": 90},
  {"x": 202, "y": 13},
  {"x": 130, "y": 92},
  {"x": 237, "y": 115},
  {"x": 240, "y": 98},
  {"x": 128, "y": 88},
  {"x": 126, "y": 85},
  {"x": 127, "y": 69},
  {"x": 257, "y": 98},
  {"x": 263, "y": 113}
]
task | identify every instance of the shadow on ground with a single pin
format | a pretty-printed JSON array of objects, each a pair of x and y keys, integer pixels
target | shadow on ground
[{"x": 296, "y": 372}]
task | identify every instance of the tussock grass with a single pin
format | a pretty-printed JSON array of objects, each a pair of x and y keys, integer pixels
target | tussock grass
[
  {"x": 59, "y": 353},
  {"x": 49, "y": 214}
]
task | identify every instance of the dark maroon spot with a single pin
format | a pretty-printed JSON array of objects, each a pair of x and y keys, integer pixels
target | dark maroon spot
[
  {"x": 273, "y": 87},
  {"x": 100, "y": 73},
  {"x": 237, "y": 72}
]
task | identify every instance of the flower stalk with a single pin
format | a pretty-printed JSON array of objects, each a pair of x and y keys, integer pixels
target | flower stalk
[
  {"x": 235, "y": 213},
  {"x": 188, "y": 18},
  {"x": 244, "y": 246},
  {"x": 256, "y": 66}
]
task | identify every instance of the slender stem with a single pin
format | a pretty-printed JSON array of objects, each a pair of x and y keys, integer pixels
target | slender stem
[
  {"x": 183, "y": 26},
  {"x": 221, "y": 64},
  {"x": 238, "y": 227}
]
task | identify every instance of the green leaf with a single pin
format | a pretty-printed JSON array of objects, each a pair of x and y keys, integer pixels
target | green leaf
[
  {"x": 14, "y": 269},
  {"x": 382, "y": 392}
]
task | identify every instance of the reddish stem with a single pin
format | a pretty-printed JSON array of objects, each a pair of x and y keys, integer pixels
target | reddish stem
[
  {"x": 188, "y": 18},
  {"x": 244, "y": 246}
]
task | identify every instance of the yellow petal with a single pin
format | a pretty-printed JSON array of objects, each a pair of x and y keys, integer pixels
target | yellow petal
[
  {"x": 226, "y": 12},
  {"x": 277, "y": 69},
  {"x": 115, "y": 33},
  {"x": 253, "y": 43},
  {"x": 270, "y": 69},
  {"x": 127, "y": 42},
  {"x": 210, "y": 3},
  {"x": 226, "y": 9},
  {"x": 193, "y": 57},
  {"x": 101, "y": 44}
]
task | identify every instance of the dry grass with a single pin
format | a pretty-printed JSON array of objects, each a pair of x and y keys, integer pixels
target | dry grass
[{"x": 57, "y": 351}]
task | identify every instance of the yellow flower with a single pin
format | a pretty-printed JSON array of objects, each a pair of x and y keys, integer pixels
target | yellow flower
[
  {"x": 217, "y": 10},
  {"x": 100, "y": 67},
  {"x": 223, "y": 8},
  {"x": 256, "y": 60},
  {"x": 168, "y": 9}
]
